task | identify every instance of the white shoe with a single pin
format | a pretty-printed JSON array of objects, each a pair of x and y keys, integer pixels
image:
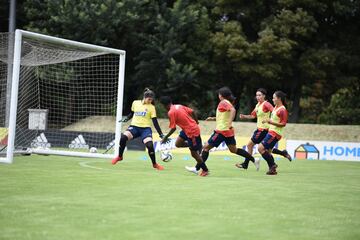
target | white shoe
[
  {"x": 192, "y": 169},
  {"x": 257, "y": 164}
]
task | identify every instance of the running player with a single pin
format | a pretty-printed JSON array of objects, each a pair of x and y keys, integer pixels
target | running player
[
  {"x": 189, "y": 137},
  {"x": 277, "y": 122},
  {"x": 224, "y": 132},
  {"x": 262, "y": 112},
  {"x": 142, "y": 112}
]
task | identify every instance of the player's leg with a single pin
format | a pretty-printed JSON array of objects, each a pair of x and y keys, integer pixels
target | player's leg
[
  {"x": 195, "y": 146},
  {"x": 283, "y": 153},
  {"x": 148, "y": 142},
  {"x": 214, "y": 139},
  {"x": 245, "y": 164},
  {"x": 264, "y": 149},
  {"x": 205, "y": 151},
  {"x": 256, "y": 138},
  {"x": 181, "y": 140},
  {"x": 126, "y": 136},
  {"x": 231, "y": 143},
  {"x": 250, "y": 147},
  {"x": 200, "y": 163}
]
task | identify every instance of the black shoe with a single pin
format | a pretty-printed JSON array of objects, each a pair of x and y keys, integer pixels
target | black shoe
[
  {"x": 241, "y": 165},
  {"x": 272, "y": 170},
  {"x": 287, "y": 155}
]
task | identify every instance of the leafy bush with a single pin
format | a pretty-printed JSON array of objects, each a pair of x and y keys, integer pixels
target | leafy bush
[{"x": 344, "y": 108}]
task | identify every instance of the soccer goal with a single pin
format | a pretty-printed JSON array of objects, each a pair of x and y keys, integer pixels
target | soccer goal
[{"x": 59, "y": 96}]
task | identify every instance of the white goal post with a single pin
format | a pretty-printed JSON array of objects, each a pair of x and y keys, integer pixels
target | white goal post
[{"x": 57, "y": 87}]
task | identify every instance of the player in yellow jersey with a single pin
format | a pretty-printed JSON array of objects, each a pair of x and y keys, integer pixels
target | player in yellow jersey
[
  {"x": 277, "y": 122},
  {"x": 224, "y": 132},
  {"x": 261, "y": 112},
  {"x": 143, "y": 113}
]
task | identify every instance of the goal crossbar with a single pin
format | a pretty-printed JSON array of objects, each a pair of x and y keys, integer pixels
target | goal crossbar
[{"x": 67, "y": 42}]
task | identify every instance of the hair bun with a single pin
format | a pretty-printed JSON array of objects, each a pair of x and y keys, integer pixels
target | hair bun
[{"x": 146, "y": 89}]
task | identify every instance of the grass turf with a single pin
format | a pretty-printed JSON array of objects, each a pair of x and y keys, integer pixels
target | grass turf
[{"x": 51, "y": 197}]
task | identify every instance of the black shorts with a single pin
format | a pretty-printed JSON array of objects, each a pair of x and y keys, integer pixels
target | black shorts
[
  {"x": 269, "y": 141},
  {"x": 259, "y": 135},
  {"x": 195, "y": 143},
  {"x": 143, "y": 132},
  {"x": 217, "y": 138}
]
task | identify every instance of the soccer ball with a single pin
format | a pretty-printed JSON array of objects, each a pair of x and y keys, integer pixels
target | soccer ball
[
  {"x": 93, "y": 150},
  {"x": 166, "y": 156}
]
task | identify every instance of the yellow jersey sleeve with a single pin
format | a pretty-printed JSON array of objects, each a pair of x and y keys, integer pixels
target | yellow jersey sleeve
[{"x": 152, "y": 111}]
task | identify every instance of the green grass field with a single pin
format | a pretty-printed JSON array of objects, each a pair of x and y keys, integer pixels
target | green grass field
[{"x": 51, "y": 197}]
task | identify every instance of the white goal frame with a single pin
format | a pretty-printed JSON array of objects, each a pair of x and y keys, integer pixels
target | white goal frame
[{"x": 19, "y": 34}]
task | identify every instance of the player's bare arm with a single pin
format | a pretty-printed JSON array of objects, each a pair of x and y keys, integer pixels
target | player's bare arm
[
  {"x": 274, "y": 123},
  {"x": 166, "y": 137},
  {"x": 243, "y": 116}
]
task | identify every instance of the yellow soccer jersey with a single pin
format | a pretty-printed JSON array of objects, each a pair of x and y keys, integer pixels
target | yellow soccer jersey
[
  {"x": 143, "y": 113},
  {"x": 223, "y": 118}
]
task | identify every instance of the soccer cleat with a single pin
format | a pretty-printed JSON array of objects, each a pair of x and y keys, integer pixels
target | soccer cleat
[
  {"x": 204, "y": 173},
  {"x": 115, "y": 160},
  {"x": 257, "y": 164},
  {"x": 192, "y": 169},
  {"x": 272, "y": 170},
  {"x": 241, "y": 165},
  {"x": 287, "y": 155},
  {"x": 158, "y": 166}
]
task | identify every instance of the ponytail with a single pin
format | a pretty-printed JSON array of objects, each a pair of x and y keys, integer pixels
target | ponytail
[{"x": 149, "y": 94}]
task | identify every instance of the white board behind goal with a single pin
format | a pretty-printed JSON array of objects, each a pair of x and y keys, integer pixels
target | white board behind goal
[{"x": 58, "y": 88}]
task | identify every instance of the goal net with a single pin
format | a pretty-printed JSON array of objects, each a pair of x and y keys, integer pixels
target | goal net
[
  {"x": 66, "y": 96},
  {"x": 5, "y": 87}
]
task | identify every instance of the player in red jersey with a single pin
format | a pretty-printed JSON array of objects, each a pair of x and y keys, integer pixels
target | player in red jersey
[
  {"x": 261, "y": 112},
  {"x": 277, "y": 122},
  {"x": 186, "y": 119}
]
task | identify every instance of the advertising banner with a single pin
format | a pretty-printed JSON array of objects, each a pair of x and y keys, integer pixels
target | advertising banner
[{"x": 323, "y": 150}]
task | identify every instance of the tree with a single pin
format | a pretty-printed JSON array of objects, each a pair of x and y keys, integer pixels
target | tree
[
  {"x": 117, "y": 24},
  {"x": 344, "y": 107},
  {"x": 175, "y": 61},
  {"x": 289, "y": 44},
  {"x": 309, "y": 49}
]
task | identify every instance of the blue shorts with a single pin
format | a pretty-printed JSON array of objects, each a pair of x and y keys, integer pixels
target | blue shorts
[
  {"x": 259, "y": 135},
  {"x": 217, "y": 138},
  {"x": 195, "y": 143},
  {"x": 142, "y": 132},
  {"x": 269, "y": 142}
]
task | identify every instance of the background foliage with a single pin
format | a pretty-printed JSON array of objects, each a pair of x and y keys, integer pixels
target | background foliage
[{"x": 187, "y": 49}]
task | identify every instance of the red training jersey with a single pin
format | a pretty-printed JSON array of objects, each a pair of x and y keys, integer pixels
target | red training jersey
[{"x": 181, "y": 116}]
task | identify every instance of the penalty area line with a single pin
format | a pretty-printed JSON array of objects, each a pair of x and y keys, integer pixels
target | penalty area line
[{"x": 86, "y": 165}]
